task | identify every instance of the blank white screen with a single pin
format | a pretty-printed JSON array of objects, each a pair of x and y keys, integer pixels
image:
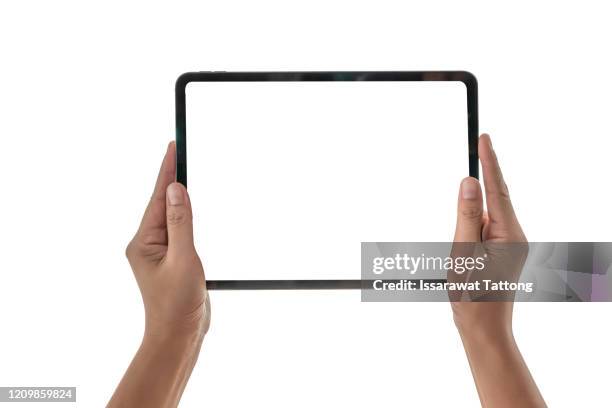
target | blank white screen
[{"x": 288, "y": 178}]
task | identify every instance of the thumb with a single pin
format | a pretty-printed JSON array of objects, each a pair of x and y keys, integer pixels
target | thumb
[
  {"x": 469, "y": 212},
  {"x": 178, "y": 218}
]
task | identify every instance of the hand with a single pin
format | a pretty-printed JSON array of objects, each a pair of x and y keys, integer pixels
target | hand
[
  {"x": 164, "y": 260},
  {"x": 501, "y": 375},
  {"x": 502, "y": 240},
  {"x": 177, "y": 310}
]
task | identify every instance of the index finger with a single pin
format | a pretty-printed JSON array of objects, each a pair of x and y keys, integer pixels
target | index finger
[
  {"x": 499, "y": 206},
  {"x": 153, "y": 222}
]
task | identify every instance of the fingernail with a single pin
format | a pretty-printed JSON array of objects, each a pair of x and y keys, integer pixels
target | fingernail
[
  {"x": 175, "y": 194},
  {"x": 469, "y": 189}
]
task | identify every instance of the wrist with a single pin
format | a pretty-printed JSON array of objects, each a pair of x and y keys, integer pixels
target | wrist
[
  {"x": 489, "y": 322},
  {"x": 182, "y": 346},
  {"x": 164, "y": 327},
  {"x": 498, "y": 336},
  {"x": 169, "y": 334}
]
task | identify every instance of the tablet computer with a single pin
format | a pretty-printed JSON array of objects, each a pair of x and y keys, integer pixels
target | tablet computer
[{"x": 290, "y": 171}]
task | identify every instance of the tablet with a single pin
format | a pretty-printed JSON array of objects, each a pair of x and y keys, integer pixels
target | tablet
[{"x": 290, "y": 171}]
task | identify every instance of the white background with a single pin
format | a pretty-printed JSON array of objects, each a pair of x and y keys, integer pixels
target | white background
[{"x": 86, "y": 109}]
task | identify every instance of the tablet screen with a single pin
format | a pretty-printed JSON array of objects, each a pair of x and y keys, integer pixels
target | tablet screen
[{"x": 288, "y": 178}]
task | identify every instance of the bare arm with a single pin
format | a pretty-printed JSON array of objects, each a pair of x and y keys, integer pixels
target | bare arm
[
  {"x": 159, "y": 372},
  {"x": 500, "y": 373}
]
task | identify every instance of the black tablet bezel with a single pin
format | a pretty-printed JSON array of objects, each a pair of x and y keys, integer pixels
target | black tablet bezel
[{"x": 467, "y": 78}]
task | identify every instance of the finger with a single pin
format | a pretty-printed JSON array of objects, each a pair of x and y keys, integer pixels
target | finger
[
  {"x": 153, "y": 223},
  {"x": 167, "y": 173},
  {"x": 469, "y": 212},
  {"x": 499, "y": 205},
  {"x": 468, "y": 230},
  {"x": 178, "y": 219}
]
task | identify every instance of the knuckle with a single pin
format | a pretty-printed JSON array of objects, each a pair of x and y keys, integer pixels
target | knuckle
[
  {"x": 176, "y": 217},
  {"x": 136, "y": 249},
  {"x": 472, "y": 213},
  {"x": 501, "y": 189},
  {"x": 503, "y": 192},
  {"x": 130, "y": 250},
  {"x": 152, "y": 237}
]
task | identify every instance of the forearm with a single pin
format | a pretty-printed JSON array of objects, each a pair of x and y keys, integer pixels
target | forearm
[
  {"x": 159, "y": 371},
  {"x": 502, "y": 378}
]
